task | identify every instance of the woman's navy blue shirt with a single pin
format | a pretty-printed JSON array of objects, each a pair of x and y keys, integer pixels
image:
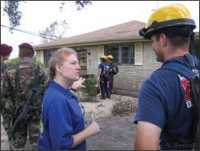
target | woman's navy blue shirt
[{"x": 61, "y": 118}]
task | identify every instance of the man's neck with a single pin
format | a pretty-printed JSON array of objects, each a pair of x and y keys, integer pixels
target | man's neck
[{"x": 176, "y": 53}]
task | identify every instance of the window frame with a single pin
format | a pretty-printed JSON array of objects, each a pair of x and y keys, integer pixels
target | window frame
[{"x": 119, "y": 52}]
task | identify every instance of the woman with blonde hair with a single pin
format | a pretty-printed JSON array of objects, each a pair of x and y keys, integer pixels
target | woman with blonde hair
[{"x": 62, "y": 118}]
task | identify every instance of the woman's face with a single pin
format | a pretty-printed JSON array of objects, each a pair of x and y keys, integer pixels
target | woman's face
[{"x": 70, "y": 68}]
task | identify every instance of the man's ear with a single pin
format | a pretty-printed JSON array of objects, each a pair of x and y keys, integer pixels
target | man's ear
[{"x": 163, "y": 39}]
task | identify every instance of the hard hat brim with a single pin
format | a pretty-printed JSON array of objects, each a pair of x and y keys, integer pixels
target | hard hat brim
[{"x": 158, "y": 26}]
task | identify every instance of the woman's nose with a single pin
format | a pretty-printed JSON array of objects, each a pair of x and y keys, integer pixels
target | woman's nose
[{"x": 78, "y": 66}]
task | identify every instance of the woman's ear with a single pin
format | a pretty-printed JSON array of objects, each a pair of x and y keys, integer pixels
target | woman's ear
[{"x": 58, "y": 68}]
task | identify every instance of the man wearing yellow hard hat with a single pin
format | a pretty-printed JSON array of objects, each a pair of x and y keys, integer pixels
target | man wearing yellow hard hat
[
  {"x": 165, "y": 110},
  {"x": 103, "y": 77},
  {"x": 114, "y": 70}
]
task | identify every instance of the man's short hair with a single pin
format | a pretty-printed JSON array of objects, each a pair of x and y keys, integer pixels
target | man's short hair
[{"x": 178, "y": 36}]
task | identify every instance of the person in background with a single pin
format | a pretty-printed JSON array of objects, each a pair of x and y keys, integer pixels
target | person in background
[
  {"x": 5, "y": 51},
  {"x": 165, "y": 111},
  {"x": 62, "y": 118},
  {"x": 103, "y": 77},
  {"x": 114, "y": 70},
  {"x": 24, "y": 84}
]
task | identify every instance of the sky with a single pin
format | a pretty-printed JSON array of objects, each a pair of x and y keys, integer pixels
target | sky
[{"x": 37, "y": 15}]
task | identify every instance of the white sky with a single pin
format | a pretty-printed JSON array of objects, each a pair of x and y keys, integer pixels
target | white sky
[{"x": 37, "y": 15}]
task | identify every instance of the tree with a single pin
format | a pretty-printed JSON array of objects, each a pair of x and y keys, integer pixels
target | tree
[
  {"x": 12, "y": 10},
  {"x": 55, "y": 30},
  {"x": 82, "y": 3}
]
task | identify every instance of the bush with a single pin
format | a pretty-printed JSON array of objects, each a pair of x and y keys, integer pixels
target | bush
[
  {"x": 16, "y": 61},
  {"x": 13, "y": 61},
  {"x": 90, "y": 86},
  {"x": 88, "y": 94}
]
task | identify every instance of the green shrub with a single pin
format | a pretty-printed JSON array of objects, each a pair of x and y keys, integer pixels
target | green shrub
[
  {"x": 12, "y": 61},
  {"x": 90, "y": 86},
  {"x": 16, "y": 61}
]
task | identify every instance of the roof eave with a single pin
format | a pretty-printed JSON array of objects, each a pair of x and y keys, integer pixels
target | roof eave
[{"x": 91, "y": 43}]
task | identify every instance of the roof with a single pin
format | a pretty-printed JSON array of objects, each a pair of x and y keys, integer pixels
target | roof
[{"x": 120, "y": 32}]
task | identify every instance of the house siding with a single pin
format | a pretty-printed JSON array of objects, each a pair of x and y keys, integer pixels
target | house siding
[
  {"x": 130, "y": 77},
  {"x": 40, "y": 56},
  {"x": 93, "y": 55}
]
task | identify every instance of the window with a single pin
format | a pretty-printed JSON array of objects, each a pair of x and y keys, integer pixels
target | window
[
  {"x": 82, "y": 57},
  {"x": 122, "y": 53},
  {"x": 47, "y": 55},
  {"x": 127, "y": 54},
  {"x": 112, "y": 49}
]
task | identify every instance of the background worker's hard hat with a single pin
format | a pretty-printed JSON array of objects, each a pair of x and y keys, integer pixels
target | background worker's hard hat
[
  {"x": 165, "y": 17},
  {"x": 103, "y": 57},
  {"x": 110, "y": 57}
]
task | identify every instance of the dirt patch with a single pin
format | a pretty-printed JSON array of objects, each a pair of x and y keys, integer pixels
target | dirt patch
[
  {"x": 117, "y": 105},
  {"x": 124, "y": 108}
]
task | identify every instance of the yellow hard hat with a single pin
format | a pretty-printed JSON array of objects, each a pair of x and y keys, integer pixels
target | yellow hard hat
[
  {"x": 103, "y": 57},
  {"x": 168, "y": 16},
  {"x": 110, "y": 57}
]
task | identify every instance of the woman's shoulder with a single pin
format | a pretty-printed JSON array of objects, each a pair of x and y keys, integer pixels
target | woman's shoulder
[
  {"x": 52, "y": 93},
  {"x": 53, "y": 98}
]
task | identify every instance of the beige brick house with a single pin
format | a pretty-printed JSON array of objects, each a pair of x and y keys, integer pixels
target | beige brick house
[{"x": 134, "y": 55}]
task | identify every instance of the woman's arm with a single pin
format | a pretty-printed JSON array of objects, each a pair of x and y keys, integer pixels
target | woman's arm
[{"x": 92, "y": 129}]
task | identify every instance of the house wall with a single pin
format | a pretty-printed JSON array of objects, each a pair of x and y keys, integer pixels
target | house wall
[
  {"x": 130, "y": 77},
  {"x": 93, "y": 55},
  {"x": 40, "y": 56}
]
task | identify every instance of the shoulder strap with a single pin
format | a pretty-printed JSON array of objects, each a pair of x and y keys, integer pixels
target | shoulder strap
[
  {"x": 178, "y": 68},
  {"x": 182, "y": 69}
]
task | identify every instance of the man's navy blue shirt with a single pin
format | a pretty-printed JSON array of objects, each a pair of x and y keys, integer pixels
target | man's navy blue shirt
[
  {"x": 161, "y": 102},
  {"x": 61, "y": 118}
]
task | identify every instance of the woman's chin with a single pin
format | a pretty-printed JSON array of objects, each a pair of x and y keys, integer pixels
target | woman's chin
[{"x": 76, "y": 78}]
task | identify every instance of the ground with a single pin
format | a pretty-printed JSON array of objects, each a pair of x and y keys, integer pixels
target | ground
[{"x": 117, "y": 132}]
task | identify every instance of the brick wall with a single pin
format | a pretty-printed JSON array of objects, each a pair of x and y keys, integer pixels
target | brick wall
[{"x": 130, "y": 77}]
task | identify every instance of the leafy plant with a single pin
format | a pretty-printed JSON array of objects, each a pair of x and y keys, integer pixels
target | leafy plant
[
  {"x": 90, "y": 86},
  {"x": 16, "y": 61},
  {"x": 14, "y": 14}
]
